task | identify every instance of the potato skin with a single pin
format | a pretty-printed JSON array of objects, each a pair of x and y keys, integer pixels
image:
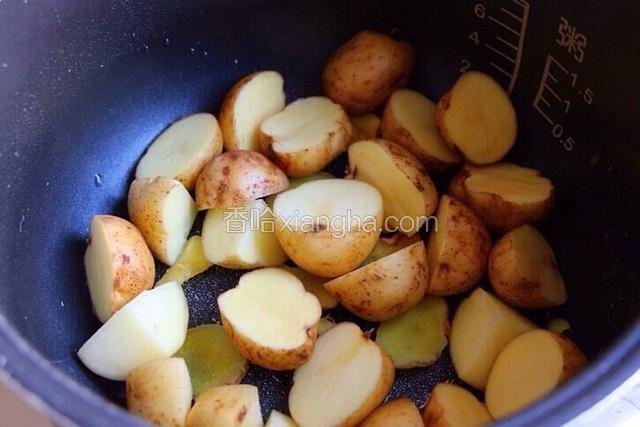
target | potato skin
[
  {"x": 364, "y": 126},
  {"x": 386, "y": 287},
  {"x": 574, "y": 358},
  {"x": 396, "y": 413},
  {"x": 362, "y": 73},
  {"x": 226, "y": 406},
  {"x": 236, "y": 177},
  {"x": 434, "y": 410}
]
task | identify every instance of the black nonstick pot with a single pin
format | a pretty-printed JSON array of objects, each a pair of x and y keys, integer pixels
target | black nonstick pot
[{"x": 85, "y": 85}]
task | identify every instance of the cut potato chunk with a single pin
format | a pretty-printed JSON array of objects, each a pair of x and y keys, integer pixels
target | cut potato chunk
[
  {"x": 364, "y": 126},
  {"x": 476, "y": 117},
  {"x": 481, "y": 327},
  {"x": 271, "y": 319},
  {"x": 306, "y": 136},
  {"x": 325, "y": 324},
  {"x": 182, "y": 150},
  {"x": 227, "y": 406},
  {"x": 347, "y": 376},
  {"x": 247, "y": 104},
  {"x": 191, "y": 262},
  {"x": 315, "y": 285},
  {"x": 211, "y": 357},
  {"x": 118, "y": 263},
  {"x": 242, "y": 237},
  {"x": 152, "y": 326},
  {"x": 278, "y": 419},
  {"x": 297, "y": 182},
  {"x": 389, "y": 244},
  {"x": 160, "y": 392},
  {"x": 504, "y": 195},
  {"x": 164, "y": 212},
  {"x": 417, "y": 336},
  {"x": 558, "y": 325},
  {"x": 396, "y": 413},
  {"x": 385, "y": 288},
  {"x": 528, "y": 368},
  {"x": 458, "y": 249},
  {"x": 523, "y": 270},
  {"x": 408, "y": 193},
  {"x": 408, "y": 121},
  {"x": 237, "y": 177},
  {"x": 328, "y": 227},
  {"x": 450, "y": 405}
]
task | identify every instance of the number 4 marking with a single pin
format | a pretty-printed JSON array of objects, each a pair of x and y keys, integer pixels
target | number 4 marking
[{"x": 475, "y": 38}]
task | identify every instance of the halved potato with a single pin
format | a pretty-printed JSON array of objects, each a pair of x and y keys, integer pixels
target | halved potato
[
  {"x": 481, "y": 327},
  {"x": 191, "y": 262},
  {"x": 237, "y": 177},
  {"x": 361, "y": 74},
  {"x": 364, "y": 126},
  {"x": 384, "y": 288},
  {"x": 164, "y": 212},
  {"x": 408, "y": 121},
  {"x": 477, "y": 118},
  {"x": 242, "y": 237},
  {"x": 248, "y": 103},
  {"x": 160, "y": 392},
  {"x": 417, "y": 336},
  {"x": 458, "y": 249},
  {"x": 504, "y": 195},
  {"x": 182, "y": 150},
  {"x": 529, "y": 367},
  {"x": 328, "y": 227},
  {"x": 235, "y": 405},
  {"x": 408, "y": 193},
  {"x": 450, "y": 405},
  {"x": 118, "y": 264},
  {"x": 315, "y": 285},
  {"x": 278, "y": 419},
  {"x": 523, "y": 270},
  {"x": 271, "y": 319},
  {"x": 388, "y": 244},
  {"x": 347, "y": 377},
  {"x": 297, "y": 182},
  {"x": 306, "y": 136},
  {"x": 395, "y": 413},
  {"x": 153, "y": 325}
]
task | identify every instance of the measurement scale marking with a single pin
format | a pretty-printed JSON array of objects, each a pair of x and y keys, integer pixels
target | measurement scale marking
[
  {"x": 507, "y": 57},
  {"x": 511, "y": 14},
  {"x": 503, "y": 25},
  {"x": 502, "y": 70},
  {"x": 553, "y": 92},
  {"x": 511, "y": 45}
]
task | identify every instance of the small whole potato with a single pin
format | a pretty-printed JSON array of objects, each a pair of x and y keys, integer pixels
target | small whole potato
[{"x": 362, "y": 73}]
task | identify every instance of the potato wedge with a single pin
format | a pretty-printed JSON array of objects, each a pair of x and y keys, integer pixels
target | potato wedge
[
  {"x": 271, "y": 319},
  {"x": 315, "y": 285},
  {"x": 248, "y": 103},
  {"x": 362, "y": 73},
  {"x": 418, "y": 336},
  {"x": 329, "y": 236},
  {"x": 297, "y": 182},
  {"x": 450, "y": 405},
  {"x": 211, "y": 357},
  {"x": 529, "y": 367},
  {"x": 408, "y": 121},
  {"x": 237, "y": 177},
  {"x": 476, "y": 117},
  {"x": 160, "y": 392},
  {"x": 364, "y": 126},
  {"x": 385, "y": 288},
  {"x": 504, "y": 195},
  {"x": 235, "y": 405},
  {"x": 242, "y": 237},
  {"x": 118, "y": 264},
  {"x": 347, "y": 377},
  {"x": 164, "y": 212},
  {"x": 190, "y": 263},
  {"x": 182, "y": 150},
  {"x": 523, "y": 270},
  {"x": 408, "y": 193},
  {"x": 482, "y": 325},
  {"x": 458, "y": 249},
  {"x": 558, "y": 325},
  {"x": 388, "y": 244},
  {"x": 395, "y": 413},
  {"x": 278, "y": 419},
  {"x": 325, "y": 324},
  {"x": 306, "y": 136}
]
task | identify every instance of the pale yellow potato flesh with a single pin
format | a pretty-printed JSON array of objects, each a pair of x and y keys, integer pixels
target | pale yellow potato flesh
[
  {"x": 315, "y": 285},
  {"x": 182, "y": 150},
  {"x": 481, "y": 327},
  {"x": 528, "y": 368},
  {"x": 235, "y": 405},
  {"x": 364, "y": 126},
  {"x": 558, "y": 325},
  {"x": 160, "y": 392},
  {"x": 271, "y": 318},
  {"x": 476, "y": 117},
  {"x": 248, "y": 103},
  {"x": 278, "y": 419},
  {"x": 450, "y": 405},
  {"x": 386, "y": 245},
  {"x": 325, "y": 324},
  {"x": 297, "y": 182},
  {"x": 118, "y": 264},
  {"x": 345, "y": 379},
  {"x": 510, "y": 182},
  {"x": 190, "y": 263},
  {"x": 395, "y": 413}
]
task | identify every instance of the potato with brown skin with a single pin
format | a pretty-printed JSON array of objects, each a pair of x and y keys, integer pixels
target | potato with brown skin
[
  {"x": 235, "y": 405},
  {"x": 362, "y": 73},
  {"x": 458, "y": 250},
  {"x": 384, "y": 288},
  {"x": 395, "y": 413},
  {"x": 364, "y": 126},
  {"x": 236, "y": 177},
  {"x": 504, "y": 195},
  {"x": 450, "y": 405},
  {"x": 118, "y": 264},
  {"x": 523, "y": 270},
  {"x": 388, "y": 244}
]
